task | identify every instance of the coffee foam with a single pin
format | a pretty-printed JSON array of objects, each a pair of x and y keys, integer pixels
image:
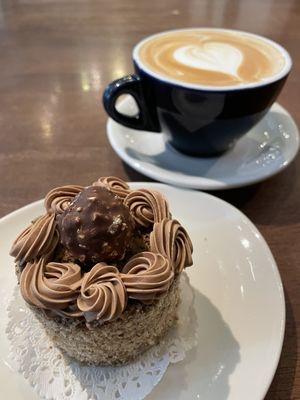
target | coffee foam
[{"x": 212, "y": 57}]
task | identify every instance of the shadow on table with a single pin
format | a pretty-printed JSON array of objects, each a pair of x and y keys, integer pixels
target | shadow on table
[
  {"x": 273, "y": 197},
  {"x": 272, "y": 202},
  {"x": 283, "y": 382},
  {"x": 237, "y": 197}
]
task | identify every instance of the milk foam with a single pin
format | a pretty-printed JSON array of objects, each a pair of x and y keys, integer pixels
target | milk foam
[{"x": 212, "y": 56}]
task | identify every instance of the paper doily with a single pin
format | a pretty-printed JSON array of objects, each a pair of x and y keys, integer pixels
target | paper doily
[{"x": 56, "y": 376}]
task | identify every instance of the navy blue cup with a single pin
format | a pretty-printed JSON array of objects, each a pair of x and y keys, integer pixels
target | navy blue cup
[{"x": 198, "y": 121}]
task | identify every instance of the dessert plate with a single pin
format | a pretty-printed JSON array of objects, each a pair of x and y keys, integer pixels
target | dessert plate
[
  {"x": 264, "y": 151},
  {"x": 238, "y": 304}
]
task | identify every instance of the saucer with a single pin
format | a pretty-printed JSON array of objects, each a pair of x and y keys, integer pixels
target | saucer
[{"x": 264, "y": 151}]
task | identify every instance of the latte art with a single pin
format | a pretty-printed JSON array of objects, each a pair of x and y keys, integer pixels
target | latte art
[{"x": 211, "y": 57}]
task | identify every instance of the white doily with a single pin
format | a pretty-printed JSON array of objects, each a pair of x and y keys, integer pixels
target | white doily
[{"x": 56, "y": 376}]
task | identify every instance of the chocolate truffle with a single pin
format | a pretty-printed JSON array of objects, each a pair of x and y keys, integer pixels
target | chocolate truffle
[{"x": 97, "y": 226}]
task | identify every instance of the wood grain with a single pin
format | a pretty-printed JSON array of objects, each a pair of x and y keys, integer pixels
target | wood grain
[{"x": 56, "y": 57}]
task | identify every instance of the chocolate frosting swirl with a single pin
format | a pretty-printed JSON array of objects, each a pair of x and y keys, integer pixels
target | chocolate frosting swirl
[
  {"x": 53, "y": 286},
  {"x": 171, "y": 239},
  {"x": 39, "y": 239},
  {"x": 58, "y": 288},
  {"x": 103, "y": 296},
  {"x": 147, "y": 276},
  {"x": 147, "y": 206},
  {"x": 59, "y": 199},
  {"x": 115, "y": 185}
]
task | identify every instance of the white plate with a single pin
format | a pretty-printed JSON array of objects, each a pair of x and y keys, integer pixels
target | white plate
[
  {"x": 263, "y": 152},
  {"x": 239, "y": 303}
]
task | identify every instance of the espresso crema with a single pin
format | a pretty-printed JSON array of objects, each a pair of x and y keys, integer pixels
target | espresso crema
[{"x": 211, "y": 57}]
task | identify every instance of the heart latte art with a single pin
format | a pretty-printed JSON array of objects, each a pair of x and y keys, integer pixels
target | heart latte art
[{"x": 211, "y": 57}]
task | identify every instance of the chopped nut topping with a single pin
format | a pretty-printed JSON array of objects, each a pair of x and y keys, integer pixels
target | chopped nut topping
[
  {"x": 93, "y": 232},
  {"x": 113, "y": 228},
  {"x": 95, "y": 216},
  {"x": 98, "y": 227}
]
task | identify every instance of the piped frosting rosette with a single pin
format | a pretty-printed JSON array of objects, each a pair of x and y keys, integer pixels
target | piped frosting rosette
[
  {"x": 52, "y": 286},
  {"x": 38, "y": 239},
  {"x": 170, "y": 239},
  {"x": 101, "y": 292},
  {"x": 147, "y": 207},
  {"x": 59, "y": 199},
  {"x": 115, "y": 185},
  {"x": 102, "y": 295},
  {"x": 147, "y": 276}
]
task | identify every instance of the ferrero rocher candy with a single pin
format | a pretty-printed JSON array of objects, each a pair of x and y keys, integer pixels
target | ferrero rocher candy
[{"x": 97, "y": 226}]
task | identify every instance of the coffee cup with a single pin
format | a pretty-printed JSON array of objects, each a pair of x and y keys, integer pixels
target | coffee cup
[{"x": 203, "y": 87}]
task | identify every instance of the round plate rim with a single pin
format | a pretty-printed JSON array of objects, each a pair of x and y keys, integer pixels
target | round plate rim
[{"x": 279, "y": 285}]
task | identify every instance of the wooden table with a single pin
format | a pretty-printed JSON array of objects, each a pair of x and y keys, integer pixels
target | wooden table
[{"x": 56, "y": 57}]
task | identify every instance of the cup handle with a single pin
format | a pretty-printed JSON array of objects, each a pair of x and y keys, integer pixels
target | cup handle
[{"x": 131, "y": 84}]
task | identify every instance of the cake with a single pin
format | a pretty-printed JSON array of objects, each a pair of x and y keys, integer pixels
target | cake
[{"x": 101, "y": 269}]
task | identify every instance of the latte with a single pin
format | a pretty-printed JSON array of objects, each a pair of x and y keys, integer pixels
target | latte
[{"x": 211, "y": 57}]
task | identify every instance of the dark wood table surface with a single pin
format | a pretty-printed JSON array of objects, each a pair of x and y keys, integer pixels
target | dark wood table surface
[{"x": 56, "y": 57}]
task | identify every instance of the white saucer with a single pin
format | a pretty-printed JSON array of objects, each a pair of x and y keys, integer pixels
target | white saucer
[
  {"x": 266, "y": 150},
  {"x": 238, "y": 310}
]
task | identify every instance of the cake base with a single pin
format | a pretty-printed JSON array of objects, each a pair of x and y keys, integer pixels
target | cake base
[{"x": 115, "y": 342}]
